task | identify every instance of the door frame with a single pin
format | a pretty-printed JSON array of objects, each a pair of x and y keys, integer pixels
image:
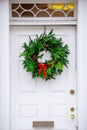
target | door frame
[{"x": 81, "y": 39}]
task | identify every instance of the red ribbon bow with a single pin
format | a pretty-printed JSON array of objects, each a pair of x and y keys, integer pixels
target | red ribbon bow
[{"x": 42, "y": 67}]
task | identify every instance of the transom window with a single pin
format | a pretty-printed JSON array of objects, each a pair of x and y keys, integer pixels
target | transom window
[
  {"x": 42, "y": 10},
  {"x": 47, "y": 10}
]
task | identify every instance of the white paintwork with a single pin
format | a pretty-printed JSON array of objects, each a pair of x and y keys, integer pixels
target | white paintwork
[
  {"x": 46, "y": 56},
  {"x": 37, "y": 99},
  {"x": 45, "y": 1},
  {"x": 4, "y": 66},
  {"x": 82, "y": 63},
  {"x": 81, "y": 77},
  {"x": 41, "y": 22}
]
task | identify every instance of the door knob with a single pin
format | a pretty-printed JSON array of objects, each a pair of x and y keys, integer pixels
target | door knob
[
  {"x": 72, "y": 109},
  {"x": 72, "y": 116},
  {"x": 72, "y": 91}
]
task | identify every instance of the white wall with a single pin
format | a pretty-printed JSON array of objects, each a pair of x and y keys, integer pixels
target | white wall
[
  {"x": 82, "y": 64},
  {"x": 4, "y": 65}
]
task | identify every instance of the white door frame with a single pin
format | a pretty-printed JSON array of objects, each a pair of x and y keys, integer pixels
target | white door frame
[{"x": 5, "y": 65}]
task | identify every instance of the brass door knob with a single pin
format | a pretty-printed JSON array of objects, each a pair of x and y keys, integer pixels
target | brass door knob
[
  {"x": 72, "y": 109},
  {"x": 72, "y": 116},
  {"x": 72, "y": 91}
]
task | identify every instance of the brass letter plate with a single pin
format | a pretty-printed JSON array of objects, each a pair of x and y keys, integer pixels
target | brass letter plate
[{"x": 48, "y": 124}]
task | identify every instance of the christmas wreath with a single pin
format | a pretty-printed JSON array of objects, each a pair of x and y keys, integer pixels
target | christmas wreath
[{"x": 47, "y": 69}]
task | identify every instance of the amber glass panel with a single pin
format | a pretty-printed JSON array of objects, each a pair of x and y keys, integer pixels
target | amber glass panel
[
  {"x": 42, "y": 14},
  {"x": 14, "y": 14},
  {"x": 50, "y": 10},
  {"x": 19, "y": 10},
  {"x": 35, "y": 10},
  {"x": 27, "y": 6},
  {"x": 70, "y": 14},
  {"x": 42, "y": 6},
  {"x": 27, "y": 14},
  {"x": 58, "y": 14},
  {"x": 14, "y": 6}
]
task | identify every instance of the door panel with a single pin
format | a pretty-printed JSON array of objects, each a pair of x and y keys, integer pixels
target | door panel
[{"x": 36, "y": 99}]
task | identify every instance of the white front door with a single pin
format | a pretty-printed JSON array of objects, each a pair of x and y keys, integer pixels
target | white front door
[{"x": 38, "y": 100}]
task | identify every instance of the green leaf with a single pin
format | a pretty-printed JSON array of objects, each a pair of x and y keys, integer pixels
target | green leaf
[
  {"x": 49, "y": 71},
  {"x": 59, "y": 66},
  {"x": 25, "y": 54},
  {"x": 25, "y": 46}
]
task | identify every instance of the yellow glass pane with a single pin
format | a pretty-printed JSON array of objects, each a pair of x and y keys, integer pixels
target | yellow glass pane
[
  {"x": 56, "y": 6},
  {"x": 65, "y": 8},
  {"x": 61, "y": 6},
  {"x": 70, "y": 6}
]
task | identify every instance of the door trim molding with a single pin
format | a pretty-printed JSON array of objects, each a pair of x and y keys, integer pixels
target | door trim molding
[
  {"x": 5, "y": 65},
  {"x": 43, "y": 22}
]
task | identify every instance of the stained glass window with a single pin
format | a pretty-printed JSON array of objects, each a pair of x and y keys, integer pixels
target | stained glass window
[{"x": 33, "y": 10}]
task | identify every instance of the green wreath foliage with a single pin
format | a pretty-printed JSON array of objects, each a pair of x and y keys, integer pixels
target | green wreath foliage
[{"x": 48, "y": 69}]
